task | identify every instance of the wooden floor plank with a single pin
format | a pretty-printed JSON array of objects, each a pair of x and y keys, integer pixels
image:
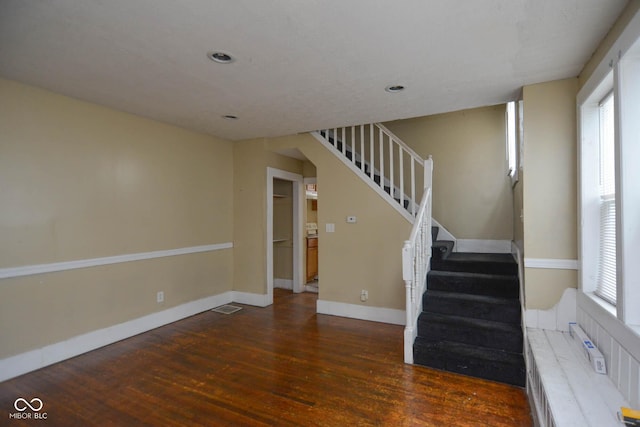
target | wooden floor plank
[{"x": 280, "y": 365}]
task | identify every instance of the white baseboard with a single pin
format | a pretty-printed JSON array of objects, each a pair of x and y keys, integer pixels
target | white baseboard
[
  {"x": 258, "y": 300},
  {"x": 362, "y": 312},
  {"x": 283, "y": 283},
  {"x": 483, "y": 246},
  {"x": 23, "y": 363},
  {"x": 551, "y": 263}
]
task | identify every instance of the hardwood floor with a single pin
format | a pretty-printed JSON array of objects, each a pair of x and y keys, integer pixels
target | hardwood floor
[{"x": 280, "y": 365}]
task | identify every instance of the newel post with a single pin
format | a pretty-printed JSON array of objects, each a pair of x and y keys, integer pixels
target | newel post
[{"x": 407, "y": 276}]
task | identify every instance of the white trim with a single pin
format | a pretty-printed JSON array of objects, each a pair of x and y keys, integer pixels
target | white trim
[
  {"x": 483, "y": 246},
  {"x": 28, "y": 270},
  {"x": 20, "y": 364},
  {"x": 248, "y": 298},
  {"x": 627, "y": 336},
  {"x": 552, "y": 263},
  {"x": 362, "y": 312},
  {"x": 619, "y": 48},
  {"x": 283, "y": 283},
  {"x": 298, "y": 215},
  {"x": 558, "y": 317}
]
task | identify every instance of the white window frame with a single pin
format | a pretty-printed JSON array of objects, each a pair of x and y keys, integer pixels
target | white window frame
[
  {"x": 620, "y": 71},
  {"x": 512, "y": 136}
]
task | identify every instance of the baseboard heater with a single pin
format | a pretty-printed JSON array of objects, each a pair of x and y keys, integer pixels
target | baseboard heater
[{"x": 590, "y": 351}]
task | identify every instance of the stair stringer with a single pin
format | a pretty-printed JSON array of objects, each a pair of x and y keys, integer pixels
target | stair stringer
[
  {"x": 443, "y": 233},
  {"x": 366, "y": 178}
]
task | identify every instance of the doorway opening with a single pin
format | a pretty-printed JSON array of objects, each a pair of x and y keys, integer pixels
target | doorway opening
[
  {"x": 285, "y": 211},
  {"x": 311, "y": 237}
]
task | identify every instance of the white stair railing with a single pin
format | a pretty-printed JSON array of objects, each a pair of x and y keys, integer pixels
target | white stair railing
[
  {"x": 416, "y": 257},
  {"x": 374, "y": 152}
]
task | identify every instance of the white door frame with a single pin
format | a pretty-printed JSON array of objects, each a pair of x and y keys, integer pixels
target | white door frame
[{"x": 298, "y": 199}]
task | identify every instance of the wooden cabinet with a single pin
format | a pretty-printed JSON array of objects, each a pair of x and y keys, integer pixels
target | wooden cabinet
[{"x": 312, "y": 258}]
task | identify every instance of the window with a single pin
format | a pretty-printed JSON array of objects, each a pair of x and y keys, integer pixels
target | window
[
  {"x": 609, "y": 206},
  {"x": 606, "y": 282},
  {"x": 512, "y": 143}
]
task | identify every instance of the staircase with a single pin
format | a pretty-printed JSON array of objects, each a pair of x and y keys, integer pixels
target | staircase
[
  {"x": 471, "y": 316},
  {"x": 383, "y": 161},
  {"x": 468, "y": 319}
]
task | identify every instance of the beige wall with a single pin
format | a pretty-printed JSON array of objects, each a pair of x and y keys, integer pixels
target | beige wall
[
  {"x": 365, "y": 255},
  {"x": 471, "y": 191},
  {"x": 250, "y": 161},
  {"x": 549, "y": 191},
  {"x": 82, "y": 181}
]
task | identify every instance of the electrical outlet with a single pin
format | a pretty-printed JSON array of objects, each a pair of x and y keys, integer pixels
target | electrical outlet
[
  {"x": 160, "y": 297},
  {"x": 364, "y": 295}
]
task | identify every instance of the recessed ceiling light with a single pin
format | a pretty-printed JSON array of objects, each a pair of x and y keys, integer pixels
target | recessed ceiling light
[
  {"x": 221, "y": 57},
  {"x": 230, "y": 117},
  {"x": 394, "y": 88}
]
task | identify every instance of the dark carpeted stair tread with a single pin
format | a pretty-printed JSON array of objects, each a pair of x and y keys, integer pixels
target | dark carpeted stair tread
[
  {"x": 488, "y": 354},
  {"x": 441, "y": 248},
  {"x": 468, "y": 322},
  {"x": 506, "y": 310},
  {"x": 470, "y": 360},
  {"x": 482, "y": 257},
  {"x": 503, "y": 264},
  {"x": 474, "y": 283},
  {"x": 483, "y": 333}
]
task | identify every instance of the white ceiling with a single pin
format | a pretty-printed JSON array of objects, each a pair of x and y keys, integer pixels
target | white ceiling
[{"x": 300, "y": 65}]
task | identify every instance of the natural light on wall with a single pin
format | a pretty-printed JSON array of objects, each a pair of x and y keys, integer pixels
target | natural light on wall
[{"x": 512, "y": 145}]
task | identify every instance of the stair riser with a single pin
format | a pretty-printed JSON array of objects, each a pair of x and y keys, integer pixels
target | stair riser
[
  {"x": 489, "y": 370},
  {"x": 490, "y": 338},
  {"x": 505, "y": 288},
  {"x": 473, "y": 309},
  {"x": 475, "y": 267}
]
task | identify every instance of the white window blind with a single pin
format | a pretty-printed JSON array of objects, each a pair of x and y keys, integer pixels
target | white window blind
[{"x": 606, "y": 286}]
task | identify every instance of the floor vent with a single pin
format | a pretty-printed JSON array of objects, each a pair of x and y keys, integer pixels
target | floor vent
[{"x": 227, "y": 309}]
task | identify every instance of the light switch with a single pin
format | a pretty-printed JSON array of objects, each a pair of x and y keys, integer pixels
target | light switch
[{"x": 330, "y": 227}]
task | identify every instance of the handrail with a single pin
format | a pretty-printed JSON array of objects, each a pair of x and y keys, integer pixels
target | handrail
[
  {"x": 416, "y": 259},
  {"x": 377, "y": 154}
]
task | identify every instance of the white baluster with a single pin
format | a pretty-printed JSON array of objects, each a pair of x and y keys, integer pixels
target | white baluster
[
  {"x": 381, "y": 144},
  {"x": 401, "y": 165},
  {"x": 413, "y": 187},
  {"x": 362, "y": 156},
  {"x": 391, "y": 166},
  {"x": 371, "y": 153},
  {"x": 353, "y": 144}
]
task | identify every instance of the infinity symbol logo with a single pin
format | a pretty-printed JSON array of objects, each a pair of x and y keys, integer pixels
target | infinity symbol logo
[{"x": 22, "y": 404}]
